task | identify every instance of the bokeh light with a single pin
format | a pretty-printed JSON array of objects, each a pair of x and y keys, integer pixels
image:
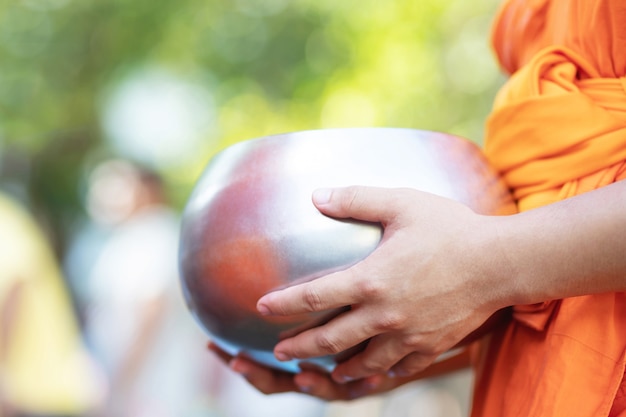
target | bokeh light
[
  {"x": 174, "y": 84},
  {"x": 158, "y": 119}
]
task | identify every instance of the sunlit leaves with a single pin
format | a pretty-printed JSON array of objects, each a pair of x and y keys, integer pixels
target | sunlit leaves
[{"x": 261, "y": 66}]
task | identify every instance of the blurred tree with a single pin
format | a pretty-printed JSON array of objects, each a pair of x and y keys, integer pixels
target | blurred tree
[{"x": 260, "y": 67}]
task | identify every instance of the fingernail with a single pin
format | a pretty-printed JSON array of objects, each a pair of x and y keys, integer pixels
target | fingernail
[
  {"x": 342, "y": 379},
  {"x": 371, "y": 384},
  {"x": 238, "y": 367},
  {"x": 263, "y": 309},
  {"x": 397, "y": 373},
  {"x": 282, "y": 356},
  {"x": 305, "y": 388},
  {"x": 322, "y": 195}
]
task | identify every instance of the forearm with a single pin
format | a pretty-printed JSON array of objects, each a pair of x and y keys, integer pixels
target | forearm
[{"x": 570, "y": 248}]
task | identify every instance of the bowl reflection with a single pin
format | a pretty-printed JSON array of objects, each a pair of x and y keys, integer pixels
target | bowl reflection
[{"x": 250, "y": 227}]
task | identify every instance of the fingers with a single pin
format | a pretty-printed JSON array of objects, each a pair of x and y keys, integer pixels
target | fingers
[
  {"x": 337, "y": 290},
  {"x": 319, "y": 385},
  {"x": 385, "y": 354},
  {"x": 313, "y": 383},
  {"x": 400, "y": 375},
  {"x": 411, "y": 364},
  {"x": 325, "y": 293},
  {"x": 347, "y": 330},
  {"x": 266, "y": 380},
  {"x": 225, "y": 357},
  {"x": 357, "y": 202},
  {"x": 322, "y": 386},
  {"x": 390, "y": 354}
]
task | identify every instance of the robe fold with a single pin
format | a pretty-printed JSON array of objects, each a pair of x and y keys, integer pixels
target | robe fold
[{"x": 558, "y": 129}]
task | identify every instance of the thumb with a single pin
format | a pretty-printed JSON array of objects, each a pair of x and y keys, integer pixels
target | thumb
[{"x": 371, "y": 204}]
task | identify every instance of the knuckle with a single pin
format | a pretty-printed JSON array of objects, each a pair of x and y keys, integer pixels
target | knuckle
[
  {"x": 413, "y": 368},
  {"x": 312, "y": 299},
  {"x": 328, "y": 344},
  {"x": 370, "y": 289},
  {"x": 407, "y": 369},
  {"x": 413, "y": 363},
  {"x": 391, "y": 320},
  {"x": 375, "y": 367},
  {"x": 350, "y": 198},
  {"x": 415, "y": 342}
]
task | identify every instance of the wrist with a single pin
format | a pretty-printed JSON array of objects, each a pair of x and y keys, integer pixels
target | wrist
[{"x": 502, "y": 270}]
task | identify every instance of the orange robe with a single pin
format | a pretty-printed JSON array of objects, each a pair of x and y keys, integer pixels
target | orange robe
[{"x": 558, "y": 129}]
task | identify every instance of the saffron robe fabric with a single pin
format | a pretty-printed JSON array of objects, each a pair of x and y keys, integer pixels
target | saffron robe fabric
[{"x": 558, "y": 129}]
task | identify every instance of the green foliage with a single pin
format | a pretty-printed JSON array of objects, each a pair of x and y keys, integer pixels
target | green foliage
[{"x": 268, "y": 66}]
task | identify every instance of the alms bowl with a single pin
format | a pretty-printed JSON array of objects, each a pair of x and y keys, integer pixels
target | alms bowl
[{"x": 249, "y": 226}]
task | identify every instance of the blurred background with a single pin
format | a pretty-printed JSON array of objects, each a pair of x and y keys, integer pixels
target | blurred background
[{"x": 109, "y": 111}]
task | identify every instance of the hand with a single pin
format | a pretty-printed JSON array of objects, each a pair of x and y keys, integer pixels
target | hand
[
  {"x": 320, "y": 385},
  {"x": 417, "y": 295},
  {"x": 314, "y": 383}
]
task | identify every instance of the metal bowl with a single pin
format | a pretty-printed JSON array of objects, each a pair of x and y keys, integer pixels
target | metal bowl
[{"x": 250, "y": 227}]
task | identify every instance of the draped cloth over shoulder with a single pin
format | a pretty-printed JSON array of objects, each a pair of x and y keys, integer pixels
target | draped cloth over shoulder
[{"x": 558, "y": 129}]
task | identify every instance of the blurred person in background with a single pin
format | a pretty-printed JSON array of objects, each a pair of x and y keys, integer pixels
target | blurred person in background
[
  {"x": 135, "y": 320},
  {"x": 125, "y": 268},
  {"x": 45, "y": 370}
]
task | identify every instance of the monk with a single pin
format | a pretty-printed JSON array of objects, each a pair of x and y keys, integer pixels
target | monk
[{"x": 557, "y": 134}]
